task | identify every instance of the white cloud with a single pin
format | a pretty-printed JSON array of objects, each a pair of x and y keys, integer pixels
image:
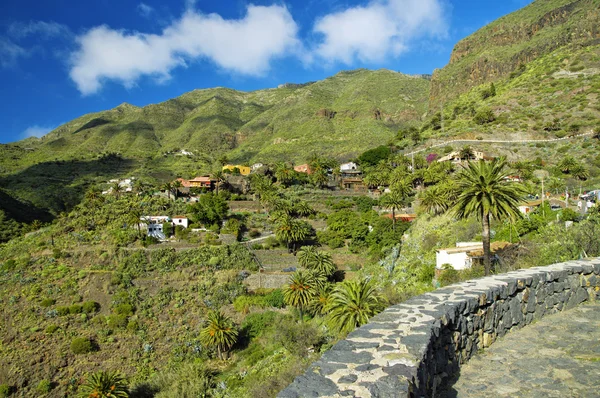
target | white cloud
[
  {"x": 145, "y": 10},
  {"x": 244, "y": 46},
  {"x": 379, "y": 30},
  {"x": 10, "y": 53},
  {"x": 36, "y": 131},
  {"x": 42, "y": 30}
]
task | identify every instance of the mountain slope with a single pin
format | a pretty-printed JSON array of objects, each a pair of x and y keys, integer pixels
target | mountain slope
[
  {"x": 330, "y": 115},
  {"x": 503, "y": 46}
]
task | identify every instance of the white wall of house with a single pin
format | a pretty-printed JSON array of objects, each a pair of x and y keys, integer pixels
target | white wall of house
[
  {"x": 183, "y": 221},
  {"x": 348, "y": 166},
  {"x": 458, "y": 261}
]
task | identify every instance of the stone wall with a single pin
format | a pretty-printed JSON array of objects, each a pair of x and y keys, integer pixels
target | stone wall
[{"x": 410, "y": 349}]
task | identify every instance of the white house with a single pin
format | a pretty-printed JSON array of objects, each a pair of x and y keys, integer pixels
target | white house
[
  {"x": 350, "y": 166},
  {"x": 181, "y": 220},
  {"x": 457, "y": 256},
  {"x": 154, "y": 225},
  {"x": 465, "y": 254},
  {"x": 256, "y": 166}
]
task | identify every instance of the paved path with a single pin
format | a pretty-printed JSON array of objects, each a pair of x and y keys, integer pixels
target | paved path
[{"x": 558, "y": 356}]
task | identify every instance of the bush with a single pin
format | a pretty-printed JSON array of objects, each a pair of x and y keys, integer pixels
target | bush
[
  {"x": 50, "y": 329},
  {"x": 254, "y": 233},
  {"x": 133, "y": 326},
  {"x": 275, "y": 299},
  {"x": 5, "y": 390},
  {"x": 123, "y": 309},
  {"x": 89, "y": 307},
  {"x": 484, "y": 115},
  {"x": 62, "y": 310},
  {"x": 82, "y": 345},
  {"x": 255, "y": 324},
  {"x": 47, "y": 302},
  {"x": 75, "y": 309},
  {"x": 117, "y": 321},
  {"x": 44, "y": 386}
]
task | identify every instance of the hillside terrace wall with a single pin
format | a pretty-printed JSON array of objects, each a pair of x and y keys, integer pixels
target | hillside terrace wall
[{"x": 410, "y": 349}]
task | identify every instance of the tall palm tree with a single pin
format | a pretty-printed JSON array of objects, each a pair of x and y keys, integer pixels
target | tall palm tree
[
  {"x": 394, "y": 200},
  {"x": 167, "y": 186},
  {"x": 352, "y": 303},
  {"x": 321, "y": 299},
  {"x": 567, "y": 164},
  {"x": 290, "y": 230},
  {"x": 219, "y": 177},
  {"x": 433, "y": 200},
  {"x": 284, "y": 173},
  {"x": 104, "y": 384},
  {"x": 299, "y": 291},
  {"x": 485, "y": 192},
  {"x": 175, "y": 185},
  {"x": 220, "y": 333}
]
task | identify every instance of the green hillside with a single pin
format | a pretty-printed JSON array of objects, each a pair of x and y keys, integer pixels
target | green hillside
[{"x": 330, "y": 116}]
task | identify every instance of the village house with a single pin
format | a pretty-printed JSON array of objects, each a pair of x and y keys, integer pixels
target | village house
[
  {"x": 353, "y": 183},
  {"x": 255, "y": 167},
  {"x": 530, "y": 206},
  {"x": 181, "y": 220},
  {"x": 464, "y": 255},
  {"x": 455, "y": 157},
  {"x": 244, "y": 170},
  {"x": 348, "y": 167},
  {"x": 303, "y": 168},
  {"x": 154, "y": 226},
  {"x": 202, "y": 182},
  {"x": 406, "y": 217}
]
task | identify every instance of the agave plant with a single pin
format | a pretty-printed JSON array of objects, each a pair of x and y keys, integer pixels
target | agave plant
[{"x": 104, "y": 384}]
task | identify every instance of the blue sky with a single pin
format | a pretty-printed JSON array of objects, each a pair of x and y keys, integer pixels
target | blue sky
[{"x": 60, "y": 59}]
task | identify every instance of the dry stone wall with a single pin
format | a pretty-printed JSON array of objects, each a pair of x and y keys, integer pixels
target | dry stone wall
[{"x": 410, "y": 349}]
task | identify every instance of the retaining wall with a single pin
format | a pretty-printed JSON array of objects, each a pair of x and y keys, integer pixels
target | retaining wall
[{"x": 409, "y": 349}]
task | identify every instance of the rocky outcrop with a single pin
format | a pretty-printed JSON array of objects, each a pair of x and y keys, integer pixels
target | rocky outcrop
[
  {"x": 503, "y": 46},
  {"x": 411, "y": 349}
]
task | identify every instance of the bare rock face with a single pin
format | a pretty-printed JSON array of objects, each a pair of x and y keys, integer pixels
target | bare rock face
[{"x": 506, "y": 45}]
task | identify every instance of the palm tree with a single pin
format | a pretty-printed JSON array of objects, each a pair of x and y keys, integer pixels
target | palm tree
[
  {"x": 219, "y": 177},
  {"x": 485, "y": 192},
  {"x": 290, "y": 230},
  {"x": 434, "y": 201},
  {"x": 320, "y": 262},
  {"x": 299, "y": 291},
  {"x": 104, "y": 384},
  {"x": 220, "y": 333},
  {"x": 321, "y": 299},
  {"x": 395, "y": 201},
  {"x": 117, "y": 189},
  {"x": 284, "y": 173},
  {"x": 580, "y": 172},
  {"x": 567, "y": 164},
  {"x": 175, "y": 185},
  {"x": 167, "y": 186},
  {"x": 466, "y": 153},
  {"x": 352, "y": 303}
]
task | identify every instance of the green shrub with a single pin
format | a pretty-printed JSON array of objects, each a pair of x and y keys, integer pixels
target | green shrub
[
  {"x": 82, "y": 345},
  {"x": 44, "y": 386},
  {"x": 117, "y": 321},
  {"x": 254, "y": 233},
  {"x": 47, "y": 302},
  {"x": 89, "y": 307},
  {"x": 5, "y": 390},
  {"x": 484, "y": 115},
  {"x": 62, "y": 310},
  {"x": 255, "y": 324},
  {"x": 124, "y": 309},
  {"x": 275, "y": 299},
  {"x": 75, "y": 309},
  {"x": 50, "y": 329},
  {"x": 133, "y": 326}
]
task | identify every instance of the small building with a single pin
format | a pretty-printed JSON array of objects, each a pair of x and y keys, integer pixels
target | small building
[
  {"x": 455, "y": 157},
  {"x": 530, "y": 206},
  {"x": 303, "y": 168},
  {"x": 184, "y": 183},
  {"x": 181, "y": 220},
  {"x": 353, "y": 184},
  {"x": 350, "y": 166},
  {"x": 244, "y": 170},
  {"x": 465, "y": 254},
  {"x": 154, "y": 226},
  {"x": 255, "y": 167},
  {"x": 202, "y": 182},
  {"x": 406, "y": 217}
]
